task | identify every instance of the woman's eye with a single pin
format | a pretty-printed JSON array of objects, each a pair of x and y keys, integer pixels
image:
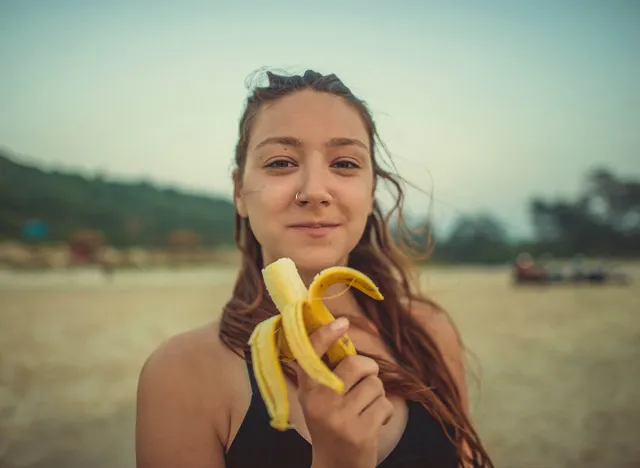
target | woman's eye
[
  {"x": 285, "y": 163},
  {"x": 280, "y": 163},
  {"x": 346, "y": 164}
]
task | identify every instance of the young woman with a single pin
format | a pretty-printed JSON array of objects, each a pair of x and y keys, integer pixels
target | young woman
[{"x": 307, "y": 168}]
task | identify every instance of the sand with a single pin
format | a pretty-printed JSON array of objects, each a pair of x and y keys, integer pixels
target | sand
[{"x": 558, "y": 367}]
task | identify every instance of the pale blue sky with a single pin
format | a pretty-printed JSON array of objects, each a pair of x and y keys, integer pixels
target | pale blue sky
[{"x": 487, "y": 103}]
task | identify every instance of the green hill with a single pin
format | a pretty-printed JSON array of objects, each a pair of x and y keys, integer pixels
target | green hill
[{"x": 135, "y": 213}]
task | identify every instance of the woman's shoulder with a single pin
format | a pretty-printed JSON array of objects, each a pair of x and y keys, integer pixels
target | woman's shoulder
[
  {"x": 436, "y": 321},
  {"x": 439, "y": 325},
  {"x": 194, "y": 352},
  {"x": 189, "y": 377}
]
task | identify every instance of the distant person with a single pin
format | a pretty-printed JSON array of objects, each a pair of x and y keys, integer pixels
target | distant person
[
  {"x": 526, "y": 270},
  {"x": 305, "y": 178},
  {"x": 524, "y": 261}
]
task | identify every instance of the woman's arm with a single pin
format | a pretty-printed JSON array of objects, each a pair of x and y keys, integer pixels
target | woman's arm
[{"x": 177, "y": 407}]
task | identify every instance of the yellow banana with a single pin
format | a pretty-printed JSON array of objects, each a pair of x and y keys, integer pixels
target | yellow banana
[
  {"x": 286, "y": 336},
  {"x": 266, "y": 365}
]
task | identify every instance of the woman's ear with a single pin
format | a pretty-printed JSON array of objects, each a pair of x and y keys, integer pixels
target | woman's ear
[{"x": 238, "y": 198}]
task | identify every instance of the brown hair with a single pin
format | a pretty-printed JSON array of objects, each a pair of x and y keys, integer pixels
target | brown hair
[{"x": 420, "y": 373}]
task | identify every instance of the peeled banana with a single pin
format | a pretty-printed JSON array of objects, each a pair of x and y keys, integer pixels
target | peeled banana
[{"x": 285, "y": 336}]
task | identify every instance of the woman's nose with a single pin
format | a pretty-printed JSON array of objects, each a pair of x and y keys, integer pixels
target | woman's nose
[{"x": 314, "y": 189}]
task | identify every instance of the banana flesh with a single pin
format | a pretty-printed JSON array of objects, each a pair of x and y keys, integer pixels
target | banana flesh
[{"x": 285, "y": 336}]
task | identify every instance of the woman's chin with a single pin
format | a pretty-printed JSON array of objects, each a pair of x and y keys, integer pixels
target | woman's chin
[{"x": 312, "y": 261}]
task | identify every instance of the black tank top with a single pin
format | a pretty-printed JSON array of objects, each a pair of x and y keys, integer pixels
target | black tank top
[{"x": 423, "y": 444}]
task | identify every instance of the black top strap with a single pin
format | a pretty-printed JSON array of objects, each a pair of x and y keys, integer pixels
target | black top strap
[{"x": 252, "y": 377}]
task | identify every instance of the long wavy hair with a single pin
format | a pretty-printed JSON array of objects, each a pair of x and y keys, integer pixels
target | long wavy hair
[{"x": 419, "y": 373}]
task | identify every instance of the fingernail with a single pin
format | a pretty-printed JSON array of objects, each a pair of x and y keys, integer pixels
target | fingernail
[{"x": 339, "y": 324}]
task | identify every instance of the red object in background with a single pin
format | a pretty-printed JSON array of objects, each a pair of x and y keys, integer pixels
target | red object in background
[
  {"x": 85, "y": 246},
  {"x": 526, "y": 269}
]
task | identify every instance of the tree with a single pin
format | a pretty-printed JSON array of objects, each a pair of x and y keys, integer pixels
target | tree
[
  {"x": 603, "y": 220},
  {"x": 477, "y": 238},
  {"x": 127, "y": 214}
]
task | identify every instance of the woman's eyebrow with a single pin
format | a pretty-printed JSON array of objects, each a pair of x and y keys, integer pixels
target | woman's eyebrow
[
  {"x": 280, "y": 140},
  {"x": 296, "y": 142}
]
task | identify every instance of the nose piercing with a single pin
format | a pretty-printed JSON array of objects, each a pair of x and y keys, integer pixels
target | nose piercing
[{"x": 297, "y": 199}]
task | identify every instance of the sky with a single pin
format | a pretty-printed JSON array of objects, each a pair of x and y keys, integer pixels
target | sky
[{"x": 483, "y": 105}]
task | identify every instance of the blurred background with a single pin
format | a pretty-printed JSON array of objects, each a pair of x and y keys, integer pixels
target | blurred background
[{"x": 516, "y": 124}]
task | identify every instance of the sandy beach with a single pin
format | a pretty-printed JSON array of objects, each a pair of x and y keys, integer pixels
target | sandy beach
[{"x": 557, "y": 366}]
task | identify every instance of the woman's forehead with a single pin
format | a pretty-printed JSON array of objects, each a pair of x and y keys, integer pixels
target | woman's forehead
[{"x": 309, "y": 116}]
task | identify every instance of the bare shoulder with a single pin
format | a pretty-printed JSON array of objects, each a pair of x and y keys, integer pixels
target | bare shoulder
[
  {"x": 196, "y": 351},
  {"x": 438, "y": 324},
  {"x": 182, "y": 404},
  {"x": 197, "y": 355}
]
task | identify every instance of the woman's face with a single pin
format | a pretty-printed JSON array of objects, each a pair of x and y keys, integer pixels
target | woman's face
[{"x": 316, "y": 144}]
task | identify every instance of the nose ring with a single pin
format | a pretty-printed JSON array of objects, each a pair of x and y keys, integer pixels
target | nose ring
[{"x": 297, "y": 199}]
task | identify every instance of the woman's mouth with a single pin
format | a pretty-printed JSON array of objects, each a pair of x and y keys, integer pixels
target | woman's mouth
[{"x": 315, "y": 229}]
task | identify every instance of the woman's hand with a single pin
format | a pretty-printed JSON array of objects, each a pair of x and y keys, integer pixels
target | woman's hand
[{"x": 344, "y": 428}]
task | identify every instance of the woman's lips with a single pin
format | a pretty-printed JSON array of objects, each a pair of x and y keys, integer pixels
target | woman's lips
[{"x": 316, "y": 230}]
